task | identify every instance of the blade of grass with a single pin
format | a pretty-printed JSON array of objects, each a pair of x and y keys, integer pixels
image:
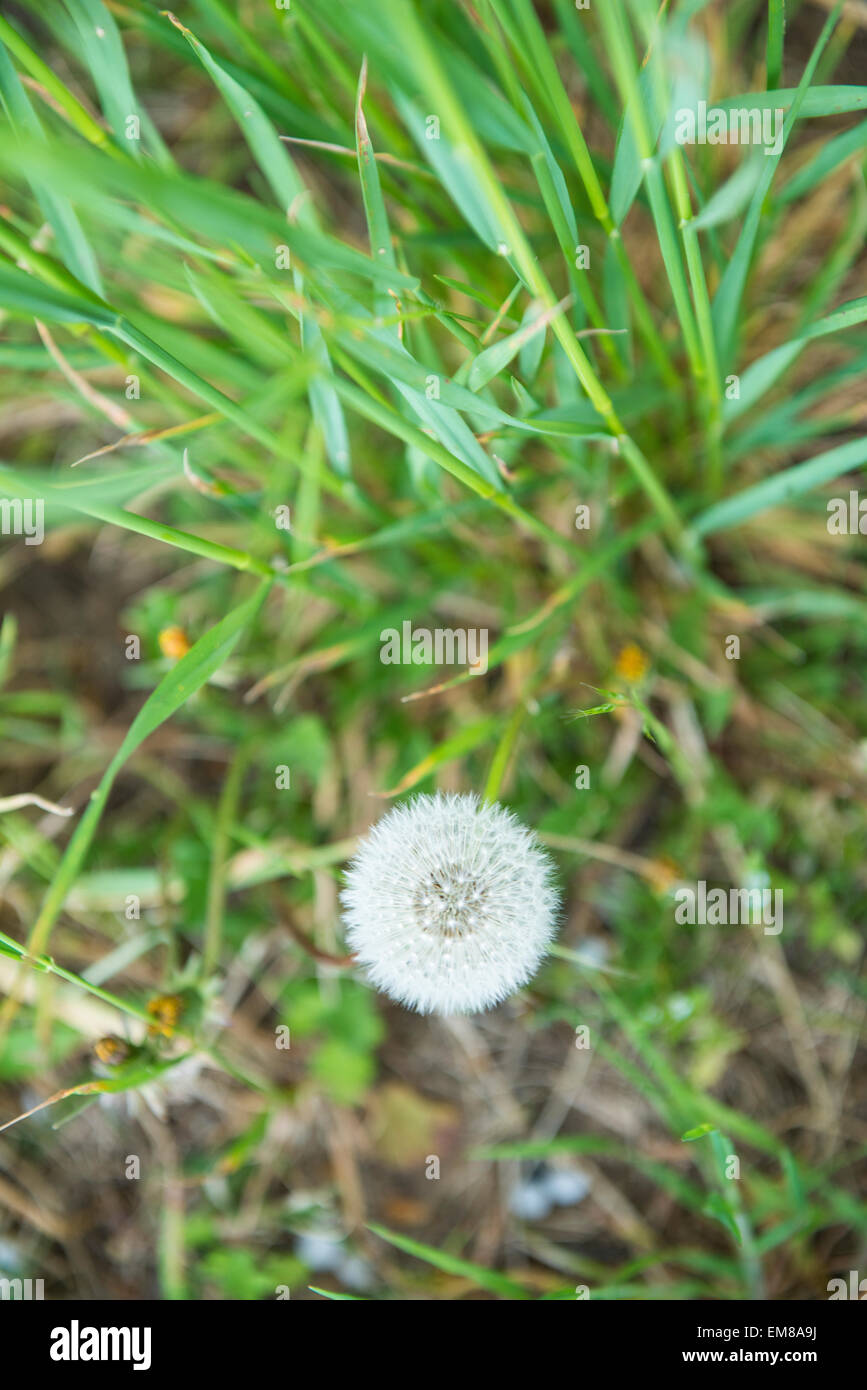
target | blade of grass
[
  {"x": 488, "y": 1279},
  {"x": 622, "y": 57},
  {"x": 520, "y": 253},
  {"x": 174, "y": 690},
  {"x": 816, "y": 170},
  {"x": 75, "y": 113},
  {"x": 760, "y": 376},
  {"x": 782, "y": 487},
  {"x": 561, "y": 108},
  {"x": 72, "y": 244},
  {"x": 727, "y": 303},
  {"x": 103, "y": 50},
  {"x": 85, "y": 498},
  {"x": 776, "y": 33}
]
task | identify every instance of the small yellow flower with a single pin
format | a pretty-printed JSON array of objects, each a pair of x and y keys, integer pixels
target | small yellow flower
[
  {"x": 174, "y": 642},
  {"x": 663, "y": 873},
  {"x": 632, "y": 664},
  {"x": 112, "y": 1051},
  {"x": 165, "y": 1009}
]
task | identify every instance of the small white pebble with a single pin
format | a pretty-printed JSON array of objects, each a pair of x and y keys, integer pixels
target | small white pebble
[
  {"x": 564, "y": 1187},
  {"x": 529, "y": 1201}
]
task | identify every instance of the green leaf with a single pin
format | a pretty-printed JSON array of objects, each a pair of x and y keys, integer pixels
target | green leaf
[
  {"x": 732, "y": 196},
  {"x": 774, "y": 51},
  {"x": 818, "y": 101},
  {"x": 75, "y": 113},
  {"x": 470, "y": 737},
  {"x": 782, "y": 487},
  {"x": 173, "y": 691},
  {"x": 627, "y": 173},
  {"x": 72, "y": 244},
  {"x": 727, "y": 302},
  {"x": 497, "y": 357},
  {"x": 208, "y": 209},
  {"x": 816, "y": 170},
  {"x": 24, "y": 294},
  {"x": 97, "y": 498},
  {"x": 338, "y": 1297},
  {"x": 761, "y": 374},
  {"x": 371, "y": 189},
  {"x": 265, "y": 145},
  {"x": 455, "y": 175},
  {"x": 103, "y": 50},
  {"x": 698, "y": 1133},
  {"x": 488, "y": 1279}
]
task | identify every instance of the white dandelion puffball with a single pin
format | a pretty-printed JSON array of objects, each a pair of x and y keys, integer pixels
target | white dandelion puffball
[{"x": 449, "y": 904}]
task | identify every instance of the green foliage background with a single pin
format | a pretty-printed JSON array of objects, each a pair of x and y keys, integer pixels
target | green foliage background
[{"x": 432, "y": 277}]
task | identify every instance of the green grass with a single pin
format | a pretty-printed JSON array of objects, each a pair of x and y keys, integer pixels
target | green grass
[{"x": 432, "y": 278}]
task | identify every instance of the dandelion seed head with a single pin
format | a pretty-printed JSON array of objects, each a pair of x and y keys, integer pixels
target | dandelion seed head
[{"x": 449, "y": 904}]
